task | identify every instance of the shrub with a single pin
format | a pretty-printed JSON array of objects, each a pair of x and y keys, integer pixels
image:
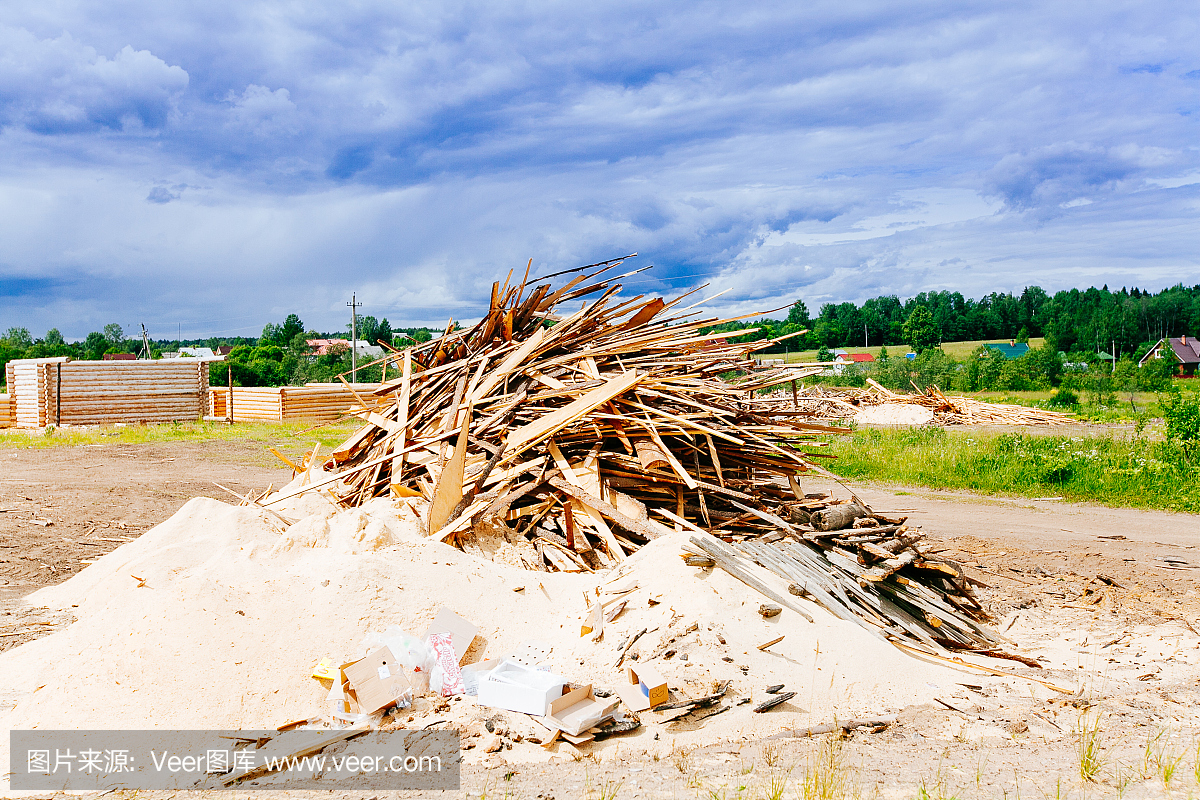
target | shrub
[
  {"x": 1062, "y": 398},
  {"x": 1181, "y": 413}
]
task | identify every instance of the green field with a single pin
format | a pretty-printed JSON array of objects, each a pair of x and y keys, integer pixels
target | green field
[
  {"x": 1114, "y": 470},
  {"x": 958, "y": 350}
]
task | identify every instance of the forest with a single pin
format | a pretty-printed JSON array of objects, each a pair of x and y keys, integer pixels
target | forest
[{"x": 1074, "y": 320}]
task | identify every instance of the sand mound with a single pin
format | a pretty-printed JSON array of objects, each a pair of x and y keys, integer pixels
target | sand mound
[
  {"x": 894, "y": 414},
  {"x": 235, "y": 611}
]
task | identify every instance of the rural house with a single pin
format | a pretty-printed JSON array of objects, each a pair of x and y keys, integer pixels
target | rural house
[
  {"x": 844, "y": 359},
  {"x": 1184, "y": 349}
]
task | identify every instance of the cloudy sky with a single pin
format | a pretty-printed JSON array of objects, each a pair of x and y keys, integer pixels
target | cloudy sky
[{"x": 212, "y": 166}]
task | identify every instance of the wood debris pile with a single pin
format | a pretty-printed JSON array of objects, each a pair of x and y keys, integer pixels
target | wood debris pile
[
  {"x": 840, "y": 403},
  {"x": 862, "y": 566},
  {"x": 564, "y": 441},
  {"x": 566, "y": 433}
]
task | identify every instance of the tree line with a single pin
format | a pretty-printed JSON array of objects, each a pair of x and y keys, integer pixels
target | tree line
[
  {"x": 1074, "y": 320},
  {"x": 1077, "y": 322}
]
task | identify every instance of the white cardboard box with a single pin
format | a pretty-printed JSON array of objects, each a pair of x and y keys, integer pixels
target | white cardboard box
[{"x": 517, "y": 687}]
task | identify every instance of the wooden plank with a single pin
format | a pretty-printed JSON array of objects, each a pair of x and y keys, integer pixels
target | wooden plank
[
  {"x": 308, "y": 745},
  {"x": 509, "y": 364},
  {"x": 358, "y": 468},
  {"x": 526, "y": 436},
  {"x": 449, "y": 488},
  {"x": 728, "y": 560},
  {"x": 607, "y": 509}
]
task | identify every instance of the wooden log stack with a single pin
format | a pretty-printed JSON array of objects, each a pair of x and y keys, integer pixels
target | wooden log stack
[
  {"x": 6, "y": 420},
  {"x": 59, "y": 391},
  {"x": 318, "y": 402}
]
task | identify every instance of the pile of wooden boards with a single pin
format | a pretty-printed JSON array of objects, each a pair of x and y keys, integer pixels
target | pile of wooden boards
[
  {"x": 860, "y": 565},
  {"x": 969, "y": 411},
  {"x": 5, "y": 411},
  {"x": 319, "y": 402},
  {"x": 579, "y": 436},
  {"x": 59, "y": 391},
  {"x": 572, "y": 439},
  {"x": 841, "y": 403}
]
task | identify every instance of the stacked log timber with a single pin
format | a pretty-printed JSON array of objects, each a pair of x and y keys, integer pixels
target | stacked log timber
[
  {"x": 6, "y": 420},
  {"x": 64, "y": 392},
  {"x": 318, "y": 402},
  {"x": 569, "y": 439},
  {"x": 26, "y": 385}
]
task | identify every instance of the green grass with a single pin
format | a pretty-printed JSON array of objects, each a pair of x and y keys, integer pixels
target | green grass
[
  {"x": 287, "y": 436},
  {"x": 1116, "y": 471},
  {"x": 957, "y": 350},
  {"x": 1117, "y": 408}
]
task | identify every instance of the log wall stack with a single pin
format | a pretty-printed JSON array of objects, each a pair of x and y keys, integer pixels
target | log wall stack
[
  {"x": 320, "y": 402},
  {"x": 5, "y": 414},
  {"x": 65, "y": 392}
]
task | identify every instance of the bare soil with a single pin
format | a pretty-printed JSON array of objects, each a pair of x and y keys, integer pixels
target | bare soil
[
  {"x": 63, "y": 507},
  {"x": 1107, "y": 601}
]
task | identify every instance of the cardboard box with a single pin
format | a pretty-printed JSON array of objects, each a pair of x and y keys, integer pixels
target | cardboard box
[
  {"x": 517, "y": 687},
  {"x": 462, "y": 633},
  {"x": 378, "y": 680},
  {"x": 577, "y": 711},
  {"x": 644, "y": 689}
]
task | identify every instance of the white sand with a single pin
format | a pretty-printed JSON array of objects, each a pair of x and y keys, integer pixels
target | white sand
[{"x": 235, "y": 613}]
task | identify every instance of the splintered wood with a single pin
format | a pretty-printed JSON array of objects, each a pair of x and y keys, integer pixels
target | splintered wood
[
  {"x": 570, "y": 438},
  {"x": 574, "y": 430},
  {"x": 866, "y": 568},
  {"x": 838, "y": 403}
]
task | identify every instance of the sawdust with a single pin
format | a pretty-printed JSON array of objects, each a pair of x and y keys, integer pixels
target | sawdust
[{"x": 230, "y": 610}]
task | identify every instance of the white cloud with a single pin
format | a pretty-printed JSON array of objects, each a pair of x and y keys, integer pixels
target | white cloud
[
  {"x": 263, "y": 112},
  {"x": 60, "y": 85}
]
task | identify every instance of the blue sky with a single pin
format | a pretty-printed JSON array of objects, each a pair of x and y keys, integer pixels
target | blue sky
[{"x": 215, "y": 166}]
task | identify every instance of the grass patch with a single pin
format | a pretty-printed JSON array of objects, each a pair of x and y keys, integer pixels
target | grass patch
[
  {"x": 1122, "y": 472},
  {"x": 286, "y": 436}
]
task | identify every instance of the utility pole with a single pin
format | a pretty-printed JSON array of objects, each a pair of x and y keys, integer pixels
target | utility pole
[
  {"x": 145, "y": 344},
  {"x": 865, "y": 342},
  {"x": 354, "y": 306}
]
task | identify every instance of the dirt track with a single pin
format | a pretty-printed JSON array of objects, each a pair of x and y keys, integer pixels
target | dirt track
[
  {"x": 97, "y": 496},
  {"x": 1105, "y": 599}
]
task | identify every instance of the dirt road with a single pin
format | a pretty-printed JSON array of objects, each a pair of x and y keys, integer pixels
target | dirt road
[{"x": 62, "y": 507}]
